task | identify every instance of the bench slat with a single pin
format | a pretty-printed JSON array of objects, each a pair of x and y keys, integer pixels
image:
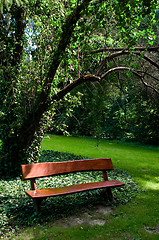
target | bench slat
[
  {"x": 52, "y": 192},
  {"x": 45, "y": 169}
]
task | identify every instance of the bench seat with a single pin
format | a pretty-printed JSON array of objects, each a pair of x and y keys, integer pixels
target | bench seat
[{"x": 52, "y": 192}]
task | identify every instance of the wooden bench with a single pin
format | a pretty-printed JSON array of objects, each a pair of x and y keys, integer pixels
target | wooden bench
[{"x": 39, "y": 170}]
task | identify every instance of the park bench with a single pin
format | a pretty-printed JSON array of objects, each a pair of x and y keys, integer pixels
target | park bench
[{"x": 39, "y": 170}]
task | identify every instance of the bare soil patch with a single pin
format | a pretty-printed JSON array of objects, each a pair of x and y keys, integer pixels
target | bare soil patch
[
  {"x": 153, "y": 230},
  {"x": 95, "y": 217}
]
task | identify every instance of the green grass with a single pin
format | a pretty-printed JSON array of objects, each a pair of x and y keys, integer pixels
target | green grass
[
  {"x": 142, "y": 162},
  {"x": 136, "y": 220}
]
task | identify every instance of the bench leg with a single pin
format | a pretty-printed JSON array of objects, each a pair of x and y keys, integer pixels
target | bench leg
[
  {"x": 108, "y": 192},
  {"x": 37, "y": 203},
  {"x": 110, "y": 195}
]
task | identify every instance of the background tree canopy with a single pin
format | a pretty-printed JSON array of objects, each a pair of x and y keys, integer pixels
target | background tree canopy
[{"x": 49, "y": 48}]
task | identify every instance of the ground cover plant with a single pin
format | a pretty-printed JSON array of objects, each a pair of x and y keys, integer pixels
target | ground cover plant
[{"x": 17, "y": 209}]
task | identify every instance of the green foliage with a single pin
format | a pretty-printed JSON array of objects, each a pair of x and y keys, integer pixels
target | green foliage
[
  {"x": 131, "y": 13},
  {"x": 17, "y": 209},
  {"x": 8, "y": 4},
  {"x": 132, "y": 117},
  {"x": 119, "y": 107},
  {"x": 117, "y": 110},
  {"x": 44, "y": 47}
]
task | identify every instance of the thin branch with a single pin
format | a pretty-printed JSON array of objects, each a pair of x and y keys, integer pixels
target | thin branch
[
  {"x": 120, "y": 69},
  {"x": 148, "y": 60},
  {"x": 120, "y": 53},
  {"x": 79, "y": 124},
  {"x": 148, "y": 74},
  {"x": 135, "y": 73},
  {"x": 148, "y": 49},
  {"x": 108, "y": 58},
  {"x": 149, "y": 86}
]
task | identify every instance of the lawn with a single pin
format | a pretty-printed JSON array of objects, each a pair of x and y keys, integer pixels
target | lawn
[
  {"x": 136, "y": 220},
  {"x": 142, "y": 162}
]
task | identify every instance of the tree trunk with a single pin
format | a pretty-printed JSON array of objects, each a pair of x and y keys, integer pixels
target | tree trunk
[
  {"x": 15, "y": 150},
  {"x": 11, "y": 157}
]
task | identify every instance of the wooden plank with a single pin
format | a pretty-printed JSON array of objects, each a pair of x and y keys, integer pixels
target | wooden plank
[
  {"x": 105, "y": 176},
  {"x": 52, "y": 192},
  {"x": 37, "y": 170}
]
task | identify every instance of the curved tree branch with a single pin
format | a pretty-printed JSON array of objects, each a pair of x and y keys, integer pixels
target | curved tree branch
[
  {"x": 120, "y": 69},
  {"x": 120, "y": 53},
  {"x": 74, "y": 84},
  {"x": 108, "y": 58}
]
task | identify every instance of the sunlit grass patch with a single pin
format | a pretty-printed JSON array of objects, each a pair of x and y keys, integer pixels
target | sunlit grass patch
[
  {"x": 151, "y": 185},
  {"x": 137, "y": 159}
]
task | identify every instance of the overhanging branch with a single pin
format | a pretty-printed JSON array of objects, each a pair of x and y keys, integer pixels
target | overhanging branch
[
  {"x": 120, "y": 53},
  {"x": 141, "y": 49},
  {"x": 74, "y": 84},
  {"x": 108, "y": 58},
  {"x": 149, "y": 60},
  {"x": 148, "y": 74}
]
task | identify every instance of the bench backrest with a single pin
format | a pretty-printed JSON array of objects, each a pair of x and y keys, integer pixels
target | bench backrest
[{"x": 37, "y": 170}]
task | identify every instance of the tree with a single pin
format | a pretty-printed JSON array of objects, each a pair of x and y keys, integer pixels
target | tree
[
  {"x": 112, "y": 108},
  {"x": 41, "y": 42}
]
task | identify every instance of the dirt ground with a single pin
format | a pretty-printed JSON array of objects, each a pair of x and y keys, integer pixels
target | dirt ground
[{"x": 95, "y": 217}]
